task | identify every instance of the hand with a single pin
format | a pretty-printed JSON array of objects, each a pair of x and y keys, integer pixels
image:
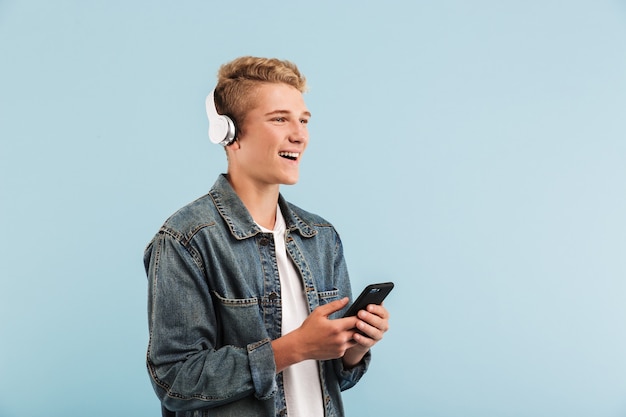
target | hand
[
  {"x": 317, "y": 338},
  {"x": 372, "y": 323},
  {"x": 323, "y": 338}
]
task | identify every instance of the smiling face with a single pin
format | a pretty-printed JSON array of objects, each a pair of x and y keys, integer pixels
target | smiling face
[{"x": 272, "y": 139}]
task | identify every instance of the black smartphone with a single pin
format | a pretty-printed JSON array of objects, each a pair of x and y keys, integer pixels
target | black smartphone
[{"x": 372, "y": 294}]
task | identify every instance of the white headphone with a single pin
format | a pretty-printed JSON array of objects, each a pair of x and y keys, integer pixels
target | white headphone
[{"x": 221, "y": 127}]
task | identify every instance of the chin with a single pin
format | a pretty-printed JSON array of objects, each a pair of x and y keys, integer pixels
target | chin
[{"x": 290, "y": 180}]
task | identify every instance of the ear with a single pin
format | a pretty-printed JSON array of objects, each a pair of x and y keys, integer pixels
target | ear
[{"x": 234, "y": 145}]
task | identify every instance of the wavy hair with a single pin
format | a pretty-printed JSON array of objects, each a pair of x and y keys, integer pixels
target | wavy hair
[{"x": 237, "y": 81}]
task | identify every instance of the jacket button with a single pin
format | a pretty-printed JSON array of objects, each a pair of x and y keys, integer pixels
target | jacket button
[{"x": 264, "y": 241}]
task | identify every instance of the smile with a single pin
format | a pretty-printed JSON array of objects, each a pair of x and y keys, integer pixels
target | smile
[{"x": 289, "y": 155}]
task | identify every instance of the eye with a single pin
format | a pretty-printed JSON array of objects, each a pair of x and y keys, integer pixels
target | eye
[
  {"x": 280, "y": 119},
  {"x": 304, "y": 121}
]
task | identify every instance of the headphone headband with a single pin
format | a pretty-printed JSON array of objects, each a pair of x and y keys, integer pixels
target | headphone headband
[{"x": 221, "y": 127}]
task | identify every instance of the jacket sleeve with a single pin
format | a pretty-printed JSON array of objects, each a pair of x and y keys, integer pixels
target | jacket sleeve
[
  {"x": 187, "y": 369},
  {"x": 349, "y": 377}
]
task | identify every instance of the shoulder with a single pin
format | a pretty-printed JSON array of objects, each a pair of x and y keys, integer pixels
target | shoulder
[{"x": 192, "y": 217}]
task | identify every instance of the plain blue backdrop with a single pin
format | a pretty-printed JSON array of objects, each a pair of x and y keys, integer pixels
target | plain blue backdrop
[{"x": 472, "y": 152}]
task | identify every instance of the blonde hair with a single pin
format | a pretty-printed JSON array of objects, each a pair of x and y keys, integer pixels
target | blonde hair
[{"x": 237, "y": 81}]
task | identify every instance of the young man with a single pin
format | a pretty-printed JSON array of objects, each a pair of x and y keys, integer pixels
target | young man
[{"x": 247, "y": 291}]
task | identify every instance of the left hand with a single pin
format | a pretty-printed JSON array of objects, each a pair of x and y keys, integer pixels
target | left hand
[{"x": 373, "y": 322}]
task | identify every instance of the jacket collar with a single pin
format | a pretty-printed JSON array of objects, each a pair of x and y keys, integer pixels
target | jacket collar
[{"x": 238, "y": 218}]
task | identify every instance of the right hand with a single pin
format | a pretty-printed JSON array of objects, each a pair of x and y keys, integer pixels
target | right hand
[{"x": 321, "y": 338}]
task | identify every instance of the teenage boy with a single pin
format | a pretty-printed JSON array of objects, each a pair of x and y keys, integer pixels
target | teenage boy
[{"x": 246, "y": 290}]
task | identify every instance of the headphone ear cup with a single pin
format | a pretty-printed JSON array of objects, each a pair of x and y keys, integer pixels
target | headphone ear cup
[
  {"x": 221, "y": 127},
  {"x": 221, "y": 130}
]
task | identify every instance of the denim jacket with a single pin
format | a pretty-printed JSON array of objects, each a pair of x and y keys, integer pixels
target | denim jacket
[{"x": 214, "y": 306}]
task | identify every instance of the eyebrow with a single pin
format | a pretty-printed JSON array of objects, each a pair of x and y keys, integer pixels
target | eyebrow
[{"x": 275, "y": 112}]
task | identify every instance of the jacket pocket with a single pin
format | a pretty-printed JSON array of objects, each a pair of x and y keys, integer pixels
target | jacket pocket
[
  {"x": 241, "y": 320},
  {"x": 325, "y": 297}
]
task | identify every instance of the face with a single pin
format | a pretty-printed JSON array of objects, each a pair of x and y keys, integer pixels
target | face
[{"x": 273, "y": 138}]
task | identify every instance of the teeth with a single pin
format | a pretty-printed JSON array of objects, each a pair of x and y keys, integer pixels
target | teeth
[{"x": 290, "y": 155}]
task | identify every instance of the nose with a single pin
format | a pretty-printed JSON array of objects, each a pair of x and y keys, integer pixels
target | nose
[{"x": 299, "y": 132}]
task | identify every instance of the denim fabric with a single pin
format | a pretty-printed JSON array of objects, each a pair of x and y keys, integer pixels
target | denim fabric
[{"x": 214, "y": 305}]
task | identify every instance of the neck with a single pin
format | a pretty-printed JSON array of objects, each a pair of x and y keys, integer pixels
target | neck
[{"x": 259, "y": 199}]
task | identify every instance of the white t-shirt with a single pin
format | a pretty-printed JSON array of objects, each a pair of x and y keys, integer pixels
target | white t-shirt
[{"x": 303, "y": 391}]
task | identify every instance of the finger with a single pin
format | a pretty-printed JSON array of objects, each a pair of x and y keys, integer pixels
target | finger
[
  {"x": 370, "y": 332},
  {"x": 328, "y": 309},
  {"x": 378, "y": 310},
  {"x": 374, "y": 320},
  {"x": 363, "y": 340}
]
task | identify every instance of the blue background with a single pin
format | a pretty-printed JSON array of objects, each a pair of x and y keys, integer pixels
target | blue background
[{"x": 472, "y": 152}]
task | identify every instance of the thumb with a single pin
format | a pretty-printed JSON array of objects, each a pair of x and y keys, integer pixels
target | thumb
[{"x": 328, "y": 309}]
